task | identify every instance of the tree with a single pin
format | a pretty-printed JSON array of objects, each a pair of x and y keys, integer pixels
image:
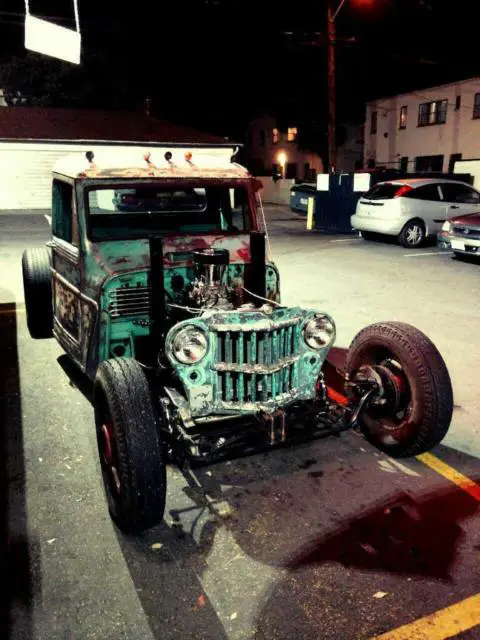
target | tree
[{"x": 42, "y": 81}]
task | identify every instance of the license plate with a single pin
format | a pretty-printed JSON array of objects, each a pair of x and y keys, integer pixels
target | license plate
[{"x": 458, "y": 244}]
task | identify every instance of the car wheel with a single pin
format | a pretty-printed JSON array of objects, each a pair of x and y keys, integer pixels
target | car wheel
[
  {"x": 412, "y": 235},
  {"x": 131, "y": 454},
  {"x": 413, "y": 410},
  {"x": 37, "y": 287}
]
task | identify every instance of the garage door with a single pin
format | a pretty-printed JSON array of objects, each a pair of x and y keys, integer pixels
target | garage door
[{"x": 26, "y": 171}]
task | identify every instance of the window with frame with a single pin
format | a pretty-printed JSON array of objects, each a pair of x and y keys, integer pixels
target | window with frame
[
  {"x": 432, "y": 113},
  {"x": 275, "y": 136},
  {"x": 461, "y": 193},
  {"x": 402, "y": 124},
  {"x": 62, "y": 211},
  {"x": 373, "y": 122},
  {"x": 476, "y": 106},
  {"x": 426, "y": 192},
  {"x": 292, "y": 133}
]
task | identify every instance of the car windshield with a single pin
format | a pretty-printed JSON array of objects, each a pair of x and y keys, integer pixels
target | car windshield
[{"x": 134, "y": 211}]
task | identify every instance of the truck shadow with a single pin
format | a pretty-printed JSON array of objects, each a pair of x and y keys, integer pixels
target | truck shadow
[
  {"x": 19, "y": 555},
  {"x": 405, "y": 547},
  {"x": 164, "y": 564},
  {"x": 300, "y": 511}
]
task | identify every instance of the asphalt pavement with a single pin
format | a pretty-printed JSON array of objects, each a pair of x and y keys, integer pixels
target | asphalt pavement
[{"x": 330, "y": 539}]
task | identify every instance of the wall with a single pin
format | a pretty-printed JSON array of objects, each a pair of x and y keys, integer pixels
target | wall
[
  {"x": 276, "y": 192},
  {"x": 459, "y": 134}
]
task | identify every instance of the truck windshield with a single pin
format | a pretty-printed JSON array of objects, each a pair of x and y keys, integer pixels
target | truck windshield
[{"x": 134, "y": 211}]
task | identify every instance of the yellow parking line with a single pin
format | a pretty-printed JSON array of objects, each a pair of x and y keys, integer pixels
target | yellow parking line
[
  {"x": 446, "y": 623},
  {"x": 459, "y": 617},
  {"x": 469, "y": 486}
]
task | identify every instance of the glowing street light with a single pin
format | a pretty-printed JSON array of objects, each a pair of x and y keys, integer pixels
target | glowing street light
[{"x": 282, "y": 161}]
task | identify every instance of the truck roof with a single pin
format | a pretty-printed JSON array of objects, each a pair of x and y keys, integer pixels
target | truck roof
[{"x": 158, "y": 162}]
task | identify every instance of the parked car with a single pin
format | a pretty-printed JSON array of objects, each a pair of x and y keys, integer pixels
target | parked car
[
  {"x": 176, "y": 319},
  {"x": 461, "y": 235},
  {"x": 412, "y": 209}
]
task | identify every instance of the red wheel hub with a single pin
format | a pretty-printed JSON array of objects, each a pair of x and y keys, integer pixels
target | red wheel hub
[{"x": 107, "y": 444}]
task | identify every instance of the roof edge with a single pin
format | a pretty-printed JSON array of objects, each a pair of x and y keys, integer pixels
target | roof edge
[{"x": 126, "y": 143}]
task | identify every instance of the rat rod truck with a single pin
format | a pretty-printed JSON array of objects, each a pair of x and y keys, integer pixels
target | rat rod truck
[{"x": 159, "y": 285}]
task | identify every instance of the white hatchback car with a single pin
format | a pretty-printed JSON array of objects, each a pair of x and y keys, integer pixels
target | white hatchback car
[{"x": 412, "y": 209}]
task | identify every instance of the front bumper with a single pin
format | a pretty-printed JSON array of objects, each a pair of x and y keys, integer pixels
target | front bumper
[
  {"x": 447, "y": 241},
  {"x": 387, "y": 226},
  {"x": 255, "y": 362}
]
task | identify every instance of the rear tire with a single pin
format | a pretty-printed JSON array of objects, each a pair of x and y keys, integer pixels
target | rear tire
[
  {"x": 412, "y": 235},
  {"x": 37, "y": 286},
  {"x": 427, "y": 390},
  {"x": 131, "y": 454}
]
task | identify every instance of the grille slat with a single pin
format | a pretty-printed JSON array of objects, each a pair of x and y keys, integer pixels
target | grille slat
[{"x": 129, "y": 301}]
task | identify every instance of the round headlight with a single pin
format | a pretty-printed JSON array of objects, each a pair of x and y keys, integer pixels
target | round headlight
[
  {"x": 318, "y": 332},
  {"x": 189, "y": 345}
]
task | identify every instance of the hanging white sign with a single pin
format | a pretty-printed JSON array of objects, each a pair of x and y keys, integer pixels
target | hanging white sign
[{"x": 52, "y": 40}]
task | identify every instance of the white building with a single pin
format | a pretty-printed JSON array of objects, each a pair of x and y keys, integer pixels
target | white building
[{"x": 425, "y": 130}]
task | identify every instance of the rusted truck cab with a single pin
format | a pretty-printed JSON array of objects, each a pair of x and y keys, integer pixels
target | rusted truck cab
[{"x": 159, "y": 284}]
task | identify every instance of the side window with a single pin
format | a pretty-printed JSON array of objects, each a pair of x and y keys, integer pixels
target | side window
[
  {"x": 62, "y": 210},
  {"x": 460, "y": 193},
  {"x": 240, "y": 209},
  {"x": 427, "y": 192}
]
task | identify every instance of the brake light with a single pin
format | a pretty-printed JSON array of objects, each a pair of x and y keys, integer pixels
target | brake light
[{"x": 403, "y": 191}]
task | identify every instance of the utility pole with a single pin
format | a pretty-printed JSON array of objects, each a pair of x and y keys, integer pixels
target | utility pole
[{"x": 332, "y": 108}]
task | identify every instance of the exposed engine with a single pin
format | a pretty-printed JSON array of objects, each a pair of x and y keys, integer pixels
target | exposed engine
[{"x": 209, "y": 289}]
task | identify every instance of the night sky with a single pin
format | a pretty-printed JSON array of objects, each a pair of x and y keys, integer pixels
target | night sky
[{"x": 215, "y": 63}]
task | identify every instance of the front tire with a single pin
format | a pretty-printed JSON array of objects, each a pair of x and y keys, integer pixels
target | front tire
[
  {"x": 412, "y": 235},
  {"x": 131, "y": 454},
  {"x": 37, "y": 287},
  {"x": 421, "y": 414}
]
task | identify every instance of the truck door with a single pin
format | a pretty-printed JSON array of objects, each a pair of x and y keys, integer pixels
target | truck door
[{"x": 66, "y": 268}]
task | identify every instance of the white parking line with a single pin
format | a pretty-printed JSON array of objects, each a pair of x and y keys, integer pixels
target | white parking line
[
  {"x": 49, "y": 219},
  {"x": 426, "y": 253},
  {"x": 344, "y": 240}
]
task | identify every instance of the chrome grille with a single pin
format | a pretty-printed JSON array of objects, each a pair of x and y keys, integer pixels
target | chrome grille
[
  {"x": 125, "y": 302},
  {"x": 256, "y": 366},
  {"x": 469, "y": 233}
]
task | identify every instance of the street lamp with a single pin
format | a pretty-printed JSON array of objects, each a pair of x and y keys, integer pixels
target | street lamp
[{"x": 282, "y": 161}]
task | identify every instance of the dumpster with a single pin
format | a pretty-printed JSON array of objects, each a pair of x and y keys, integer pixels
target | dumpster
[{"x": 299, "y": 195}]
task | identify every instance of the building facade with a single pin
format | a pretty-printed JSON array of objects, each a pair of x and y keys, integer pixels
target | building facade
[
  {"x": 425, "y": 130},
  {"x": 270, "y": 149}
]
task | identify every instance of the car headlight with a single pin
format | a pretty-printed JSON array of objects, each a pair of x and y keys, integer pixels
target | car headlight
[
  {"x": 189, "y": 345},
  {"x": 319, "y": 331},
  {"x": 446, "y": 226}
]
